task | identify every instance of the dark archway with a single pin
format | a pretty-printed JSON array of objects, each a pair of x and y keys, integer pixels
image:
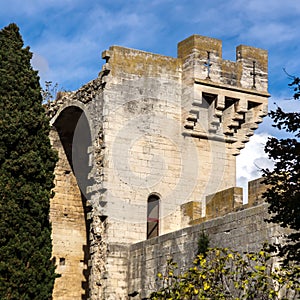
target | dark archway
[{"x": 73, "y": 141}]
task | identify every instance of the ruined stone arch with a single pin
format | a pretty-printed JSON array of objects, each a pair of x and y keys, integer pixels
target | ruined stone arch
[
  {"x": 71, "y": 136},
  {"x": 67, "y": 104}
]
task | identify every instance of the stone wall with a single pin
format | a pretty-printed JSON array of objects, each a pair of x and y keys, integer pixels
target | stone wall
[
  {"x": 69, "y": 232},
  {"x": 244, "y": 230}
]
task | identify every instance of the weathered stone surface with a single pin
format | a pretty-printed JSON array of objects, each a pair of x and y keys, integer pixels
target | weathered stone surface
[
  {"x": 244, "y": 230},
  {"x": 255, "y": 190},
  {"x": 69, "y": 232},
  {"x": 149, "y": 125}
]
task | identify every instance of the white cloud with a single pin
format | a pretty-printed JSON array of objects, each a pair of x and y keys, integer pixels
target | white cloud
[
  {"x": 40, "y": 63},
  {"x": 251, "y": 160},
  {"x": 287, "y": 104},
  {"x": 271, "y": 33},
  {"x": 267, "y": 9},
  {"x": 73, "y": 45}
]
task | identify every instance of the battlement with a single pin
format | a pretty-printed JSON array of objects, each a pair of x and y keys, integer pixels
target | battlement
[
  {"x": 200, "y": 44},
  {"x": 204, "y": 56},
  {"x": 224, "y": 202}
]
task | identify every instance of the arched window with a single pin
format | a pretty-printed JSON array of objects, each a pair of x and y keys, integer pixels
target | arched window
[{"x": 152, "y": 216}]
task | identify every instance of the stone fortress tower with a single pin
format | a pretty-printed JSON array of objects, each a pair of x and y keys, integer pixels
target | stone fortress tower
[{"x": 144, "y": 150}]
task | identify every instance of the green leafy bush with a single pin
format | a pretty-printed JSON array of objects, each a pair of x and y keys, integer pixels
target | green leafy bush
[{"x": 226, "y": 274}]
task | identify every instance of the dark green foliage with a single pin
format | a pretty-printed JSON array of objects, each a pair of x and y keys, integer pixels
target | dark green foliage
[
  {"x": 283, "y": 193},
  {"x": 26, "y": 176},
  {"x": 203, "y": 243}
]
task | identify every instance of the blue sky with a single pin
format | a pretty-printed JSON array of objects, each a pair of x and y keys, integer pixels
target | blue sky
[{"x": 68, "y": 36}]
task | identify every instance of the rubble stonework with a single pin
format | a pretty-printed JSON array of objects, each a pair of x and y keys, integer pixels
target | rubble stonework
[{"x": 149, "y": 125}]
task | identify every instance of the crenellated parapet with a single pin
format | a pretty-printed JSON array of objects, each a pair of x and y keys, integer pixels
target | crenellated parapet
[
  {"x": 202, "y": 57},
  {"x": 225, "y": 202},
  {"x": 226, "y": 99}
]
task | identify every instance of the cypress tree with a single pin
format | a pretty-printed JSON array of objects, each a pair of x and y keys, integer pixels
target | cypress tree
[{"x": 27, "y": 164}]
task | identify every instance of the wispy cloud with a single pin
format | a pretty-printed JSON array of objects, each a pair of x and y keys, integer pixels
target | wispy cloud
[
  {"x": 271, "y": 34},
  {"x": 70, "y": 47},
  {"x": 251, "y": 161}
]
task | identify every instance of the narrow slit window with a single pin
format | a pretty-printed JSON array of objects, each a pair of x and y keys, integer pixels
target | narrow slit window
[{"x": 153, "y": 216}]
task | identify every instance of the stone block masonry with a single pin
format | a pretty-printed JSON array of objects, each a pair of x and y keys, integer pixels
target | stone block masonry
[
  {"x": 146, "y": 149},
  {"x": 69, "y": 232},
  {"x": 244, "y": 231}
]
